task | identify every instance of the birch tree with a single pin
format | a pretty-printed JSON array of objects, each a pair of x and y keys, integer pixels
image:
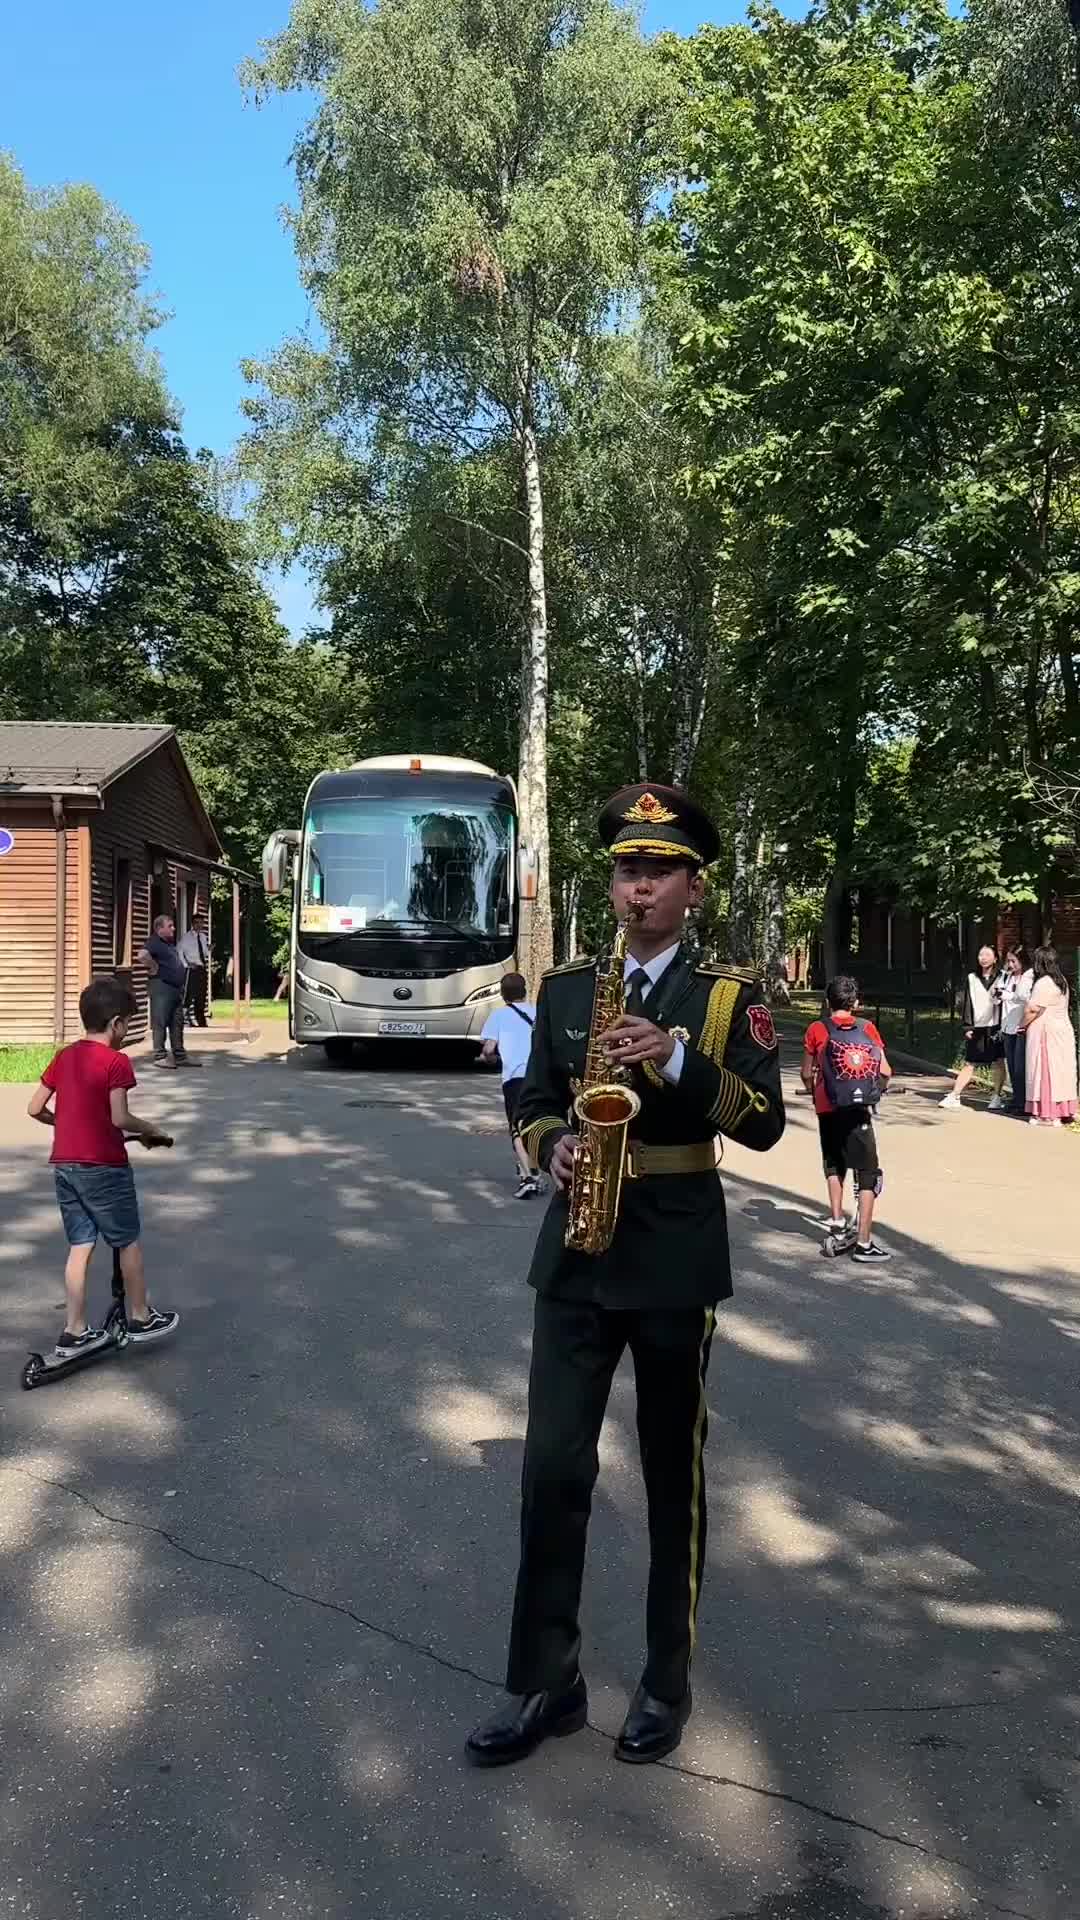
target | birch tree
[{"x": 473, "y": 185}]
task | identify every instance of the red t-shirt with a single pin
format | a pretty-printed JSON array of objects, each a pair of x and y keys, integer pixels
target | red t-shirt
[
  {"x": 82, "y": 1077},
  {"x": 817, "y": 1039}
]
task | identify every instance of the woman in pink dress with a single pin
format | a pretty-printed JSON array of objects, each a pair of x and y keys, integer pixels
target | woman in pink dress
[{"x": 1051, "y": 1045}]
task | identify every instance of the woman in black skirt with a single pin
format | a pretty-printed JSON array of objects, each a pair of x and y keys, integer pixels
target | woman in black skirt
[{"x": 983, "y": 1043}]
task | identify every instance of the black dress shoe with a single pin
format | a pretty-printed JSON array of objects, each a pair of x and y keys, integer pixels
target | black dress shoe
[
  {"x": 651, "y": 1728},
  {"x": 523, "y": 1721}
]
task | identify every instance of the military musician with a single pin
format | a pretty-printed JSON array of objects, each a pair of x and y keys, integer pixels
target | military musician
[{"x": 698, "y": 1046}]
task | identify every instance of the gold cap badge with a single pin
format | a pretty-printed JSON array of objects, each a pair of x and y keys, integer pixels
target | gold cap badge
[{"x": 650, "y": 810}]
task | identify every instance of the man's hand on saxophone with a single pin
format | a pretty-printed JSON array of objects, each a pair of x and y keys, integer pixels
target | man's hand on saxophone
[
  {"x": 561, "y": 1164},
  {"x": 631, "y": 1039}
]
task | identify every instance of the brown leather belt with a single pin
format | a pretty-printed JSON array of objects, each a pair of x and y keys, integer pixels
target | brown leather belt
[{"x": 698, "y": 1157}]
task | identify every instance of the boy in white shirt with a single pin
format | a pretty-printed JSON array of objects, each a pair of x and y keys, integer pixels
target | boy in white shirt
[{"x": 508, "y": 1032}]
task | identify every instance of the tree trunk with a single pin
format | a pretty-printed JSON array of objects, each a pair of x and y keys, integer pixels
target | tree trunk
[
  {"x": 691, "y": 720},
  {"x": 571, "y": 895},
  {"x": 1032, "y": 727},
  {"x": 1069, "y": 688},
  {"x": 774, "y": 938},
  {"x": 641, "y": 730},
  {"x": 741, "y": 914},
  {"x": 535, "y": 938},
  {"x": 836, "y": 923}
]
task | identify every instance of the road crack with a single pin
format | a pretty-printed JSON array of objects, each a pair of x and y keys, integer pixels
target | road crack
[{"x": 459, "y": 1667}]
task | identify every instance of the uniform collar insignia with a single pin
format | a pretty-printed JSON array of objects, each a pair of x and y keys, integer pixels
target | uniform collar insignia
[{"x": 650, "y": 810}]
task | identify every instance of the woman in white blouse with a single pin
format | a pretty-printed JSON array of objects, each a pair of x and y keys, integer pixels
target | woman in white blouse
[
  {"x": 1019, "y": 980},
  {"x": 983, "y": 1044}
]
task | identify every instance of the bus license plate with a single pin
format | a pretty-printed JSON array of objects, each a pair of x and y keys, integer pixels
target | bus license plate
[{"x": 412, "y": 1029}]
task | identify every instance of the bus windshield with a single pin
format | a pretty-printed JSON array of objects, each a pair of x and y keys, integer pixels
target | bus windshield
[{"x": 384, "y": 863}]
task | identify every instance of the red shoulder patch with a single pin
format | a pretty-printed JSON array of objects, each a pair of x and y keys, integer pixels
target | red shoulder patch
[{"x": 762, "y": 1028}]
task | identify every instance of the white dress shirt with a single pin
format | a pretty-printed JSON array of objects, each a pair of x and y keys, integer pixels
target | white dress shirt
[
  {"x": 671, "y": 1071},
  {"x": 192, "y": 948}
]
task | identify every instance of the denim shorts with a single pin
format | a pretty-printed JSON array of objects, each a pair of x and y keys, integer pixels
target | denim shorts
[{"x": 97, "y": 1203}]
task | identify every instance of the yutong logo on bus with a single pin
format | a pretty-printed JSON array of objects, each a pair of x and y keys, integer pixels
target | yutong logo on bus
[{"x": 402, "y": 993}]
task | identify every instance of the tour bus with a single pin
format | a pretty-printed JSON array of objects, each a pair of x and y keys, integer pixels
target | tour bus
[{"x": 407, "y": 884}]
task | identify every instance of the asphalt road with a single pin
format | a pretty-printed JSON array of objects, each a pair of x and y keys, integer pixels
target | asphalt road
[{"x": 254, "y": 1585}]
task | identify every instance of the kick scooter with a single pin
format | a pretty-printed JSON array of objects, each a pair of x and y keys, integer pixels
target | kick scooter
[{"x": 42, "y": 1369}]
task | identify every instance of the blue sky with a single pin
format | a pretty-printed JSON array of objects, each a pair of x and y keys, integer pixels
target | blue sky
[{"x": 143, "y": 101}]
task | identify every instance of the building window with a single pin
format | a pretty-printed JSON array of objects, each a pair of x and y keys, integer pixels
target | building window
[
  {"x": 121, "y": 913},
  {"x": 889, "y": 938}
]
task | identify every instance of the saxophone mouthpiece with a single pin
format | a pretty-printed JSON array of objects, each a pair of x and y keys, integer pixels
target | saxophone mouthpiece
[{"x": 635, "y": 911}]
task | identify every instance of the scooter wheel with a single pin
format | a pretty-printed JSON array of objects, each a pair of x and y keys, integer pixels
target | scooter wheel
[
  {"x": 828, "y": 1248},
  {"x": 34, "y": 1372}
]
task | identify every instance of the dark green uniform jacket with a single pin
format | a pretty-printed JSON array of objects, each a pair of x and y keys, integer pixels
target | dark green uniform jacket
[{"x": 671, "y": 1245}]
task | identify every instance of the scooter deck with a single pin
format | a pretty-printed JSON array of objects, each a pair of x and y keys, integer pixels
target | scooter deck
[{"x": 42, "y": 1369}]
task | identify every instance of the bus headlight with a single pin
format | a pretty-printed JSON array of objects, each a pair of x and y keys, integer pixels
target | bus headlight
[
  {"x": 316, "y": 986},
  {"x": 484, "y": 993}
]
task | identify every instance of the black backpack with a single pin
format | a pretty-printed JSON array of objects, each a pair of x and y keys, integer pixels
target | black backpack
[{"x": 851, "y": 1066}]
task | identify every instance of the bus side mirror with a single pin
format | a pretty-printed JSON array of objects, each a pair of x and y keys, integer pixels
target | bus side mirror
[
  {"x": 528, "y": 866},
  {"x": 275, "y": 859}
]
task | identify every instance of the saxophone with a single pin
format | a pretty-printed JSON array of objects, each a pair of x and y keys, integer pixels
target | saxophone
[{"x": 604, "y": 1108}]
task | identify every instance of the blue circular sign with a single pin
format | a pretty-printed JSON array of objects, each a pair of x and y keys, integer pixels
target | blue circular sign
[{"x": 7, "y": 840}]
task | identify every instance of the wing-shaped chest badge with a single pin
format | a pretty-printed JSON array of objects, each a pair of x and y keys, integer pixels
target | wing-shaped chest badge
[{"x": 577, "y": 1033}]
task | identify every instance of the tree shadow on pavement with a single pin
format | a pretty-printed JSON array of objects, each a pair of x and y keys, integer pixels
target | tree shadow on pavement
[{"x": 257, "y": 1583}]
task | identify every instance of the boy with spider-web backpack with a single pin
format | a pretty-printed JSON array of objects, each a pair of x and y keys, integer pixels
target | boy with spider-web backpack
[{"x": 844, "y": 1068}]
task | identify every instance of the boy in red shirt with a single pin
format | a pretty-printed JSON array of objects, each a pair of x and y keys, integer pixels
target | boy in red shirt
[
  {"x": 95, "y": 1186},
  {"x": 848, "y": 1143}
]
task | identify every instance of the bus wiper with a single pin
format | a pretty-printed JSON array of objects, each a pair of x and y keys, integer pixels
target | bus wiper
[{"x": 461, "y": 927}]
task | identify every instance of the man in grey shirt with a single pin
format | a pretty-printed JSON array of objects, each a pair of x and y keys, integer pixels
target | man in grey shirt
[{"x": 194, "y": 950}]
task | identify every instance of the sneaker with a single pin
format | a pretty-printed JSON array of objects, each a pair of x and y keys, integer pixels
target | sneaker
[
  {"x": 835, "y": 1226},
  {"x": 995, "y": 1104},
  {"x": 154, "y": 1326},
  {"x": 70, "y": 1343},
  {"x": 1033, "y": 1120},
  {"x": 952, "y": 1101},
  {"x": 872, "y": 1252},
  {"x": 186, "y": 1060},
  {"x": 526, "y": 1187},
  {"x": 162, "y": 1060}
]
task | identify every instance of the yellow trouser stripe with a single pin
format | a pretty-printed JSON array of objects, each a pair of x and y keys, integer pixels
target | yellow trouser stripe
[{"x": 696, "y": 1471}]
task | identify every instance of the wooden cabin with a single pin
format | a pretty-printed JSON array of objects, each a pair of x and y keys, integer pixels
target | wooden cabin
[{"x": 101, "y": 828}]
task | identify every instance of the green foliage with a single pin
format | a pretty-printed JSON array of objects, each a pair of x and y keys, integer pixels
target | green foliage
[
  {"x": 878, "y": 330},
  {"x": 125, "y": 592}
]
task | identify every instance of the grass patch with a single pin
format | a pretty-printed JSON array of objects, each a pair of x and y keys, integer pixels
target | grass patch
[
  {"x": 260, "y": 1010},
  {"x": 22, "y": 1066}
]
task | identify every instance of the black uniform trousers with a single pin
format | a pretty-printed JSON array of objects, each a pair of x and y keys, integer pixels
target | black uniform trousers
[
  {"x": 195, "y": 994},
  {"x": 576, "y": 1349}
]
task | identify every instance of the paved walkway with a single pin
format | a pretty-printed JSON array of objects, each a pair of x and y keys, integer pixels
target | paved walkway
[{"x": 254, "y": 1585}]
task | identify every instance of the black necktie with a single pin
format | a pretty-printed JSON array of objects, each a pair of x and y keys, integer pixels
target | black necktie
[{"x": 636, "y": 984}]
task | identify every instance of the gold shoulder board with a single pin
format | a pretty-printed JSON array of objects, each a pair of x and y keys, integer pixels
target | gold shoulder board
[
  {"x": 571, "y": 966},
  {"x": 712, "y": 971}
]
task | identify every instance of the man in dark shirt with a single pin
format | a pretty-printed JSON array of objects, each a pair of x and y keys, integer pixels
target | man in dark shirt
[{"x": 167, "y": 980}]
